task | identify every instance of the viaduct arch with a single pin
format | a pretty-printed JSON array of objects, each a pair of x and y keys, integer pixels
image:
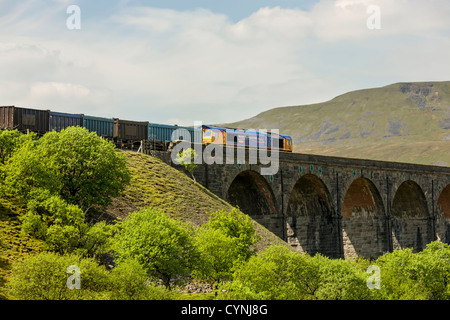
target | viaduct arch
[
  {"x": 443, "y": 216},
  {"x": 411, "y": 222},
  {"x": 364, "y": 228},
  {"x": 310, "y": 223},
  {"x": 253, "y": 195}
]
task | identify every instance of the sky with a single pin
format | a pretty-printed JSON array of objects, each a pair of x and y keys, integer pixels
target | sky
[{"x": 180, "y": 61}]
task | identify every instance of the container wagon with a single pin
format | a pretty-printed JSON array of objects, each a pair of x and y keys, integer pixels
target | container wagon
[
  {"x": 59, "y": 121},
  {"x": 160, "y": 135},
  {"x": 24, "y": 119},
  {"x": 104, "y": 127},
  {"x": 163, "y": 133},
  {"x": 130, "y": 134}
]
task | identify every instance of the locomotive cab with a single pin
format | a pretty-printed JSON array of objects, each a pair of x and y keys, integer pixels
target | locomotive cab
[
  {"x": 287, "y": 144},
  {"x": 213, "y": 136}
]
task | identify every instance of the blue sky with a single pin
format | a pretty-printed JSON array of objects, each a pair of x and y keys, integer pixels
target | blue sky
[{"x": 212, "y": 61}]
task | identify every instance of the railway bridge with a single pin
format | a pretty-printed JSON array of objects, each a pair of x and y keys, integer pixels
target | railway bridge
[{"x": 339, "y": 207}]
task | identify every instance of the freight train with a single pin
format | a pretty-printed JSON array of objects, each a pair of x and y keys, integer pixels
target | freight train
[{"x": 130, "y": 134}]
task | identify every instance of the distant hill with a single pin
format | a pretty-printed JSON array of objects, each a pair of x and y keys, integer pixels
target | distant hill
[{"x": 405, "y": 122}]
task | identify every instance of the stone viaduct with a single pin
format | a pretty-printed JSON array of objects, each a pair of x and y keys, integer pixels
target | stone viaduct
[{"x": 339, "y": 207}]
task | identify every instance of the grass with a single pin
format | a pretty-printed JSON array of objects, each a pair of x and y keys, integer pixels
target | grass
[
  {"x": 155, "y": 184},
  {"x": 13, "y": 243}
]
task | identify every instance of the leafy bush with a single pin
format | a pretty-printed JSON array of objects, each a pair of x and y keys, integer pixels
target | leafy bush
[
  {"x": 45, "y": 277},
  {"x": 279, "y": 273},
  {"x": 225, "y": 240},
  {"x": 163, "y": 246},
  {"x": 434, "y": 266},
  {"x": 129, "y": 281},
  {"x": 10, "y": 141},
  {"x": 416, "y": 276},
  {"x": 236, "y": 225},
  {"x": 340, "y": 280},
  {"x": 218, "y": 254},
  {"x": 75, "y": 164},
  {"x": 276, "y": 273},
  {"x": 60, "y": 178},
  {"x": 62, "y": 226}
]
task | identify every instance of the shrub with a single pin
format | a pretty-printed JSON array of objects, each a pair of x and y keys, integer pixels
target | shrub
[
  {"x": 129, "y": 281},
  {"x": 236, "y": 225},
  {"x": 224, "y": 241},
  {"x": 276, "y": 273},
  {"x": 10, "y": 141},
  {"x": 419, "y": 276},
  {"x": 399, "y": 276},
  {"x": 45, "y": 277},
  {"x": 75, "y": 164},
  {"x": 340, "y": 280},
  {"x": 163, "y": 246},
  {"x": 218, "y": 254},
  {"x": 62, "y": 226},
  {"x": 434, "y": 270}
]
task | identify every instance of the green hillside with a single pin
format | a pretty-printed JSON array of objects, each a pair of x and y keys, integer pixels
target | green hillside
[
  {"x": 158, "y": 185},
  {"x": 406, "y": 122}
]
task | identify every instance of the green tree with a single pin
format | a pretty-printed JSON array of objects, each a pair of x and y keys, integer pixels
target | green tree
[
  {"x": 45, "y": 277},
  {"x": 186, "y": 159},
  {"x": 224, "y": 241},
  {"x": 129, "y": 281},
  {"x": 416, "y": 276},
  {"x": 218, "y": 255},
  {"x": 434, "y": 269},
  {"x": 63, "y": 227},
  {"x": 340, "y": 280},
  {"x": 163, "y": 246},
  {"x": 400, "y": 276},
  {"x": 276, "y": 273},
  {"x": 237, "y": 225},
  {"x": 29, "y": 169},
  {"x": 75, "y": 164},
  {"x": 11, "y": 140}
]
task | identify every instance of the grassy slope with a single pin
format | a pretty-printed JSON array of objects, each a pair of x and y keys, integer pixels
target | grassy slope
[
  {"x": 407, "y": 122},
  {"x": 13, "y": 244},
  {"x": 155, "y": 184}
]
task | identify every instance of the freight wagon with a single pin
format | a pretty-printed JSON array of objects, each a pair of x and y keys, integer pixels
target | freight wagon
[
  {"x": 24, "y": 119},
  {"x": 104, "y": 127},
  {"x": 59, "y": 121},
  {"x": 163, "y": 133},
  {"x": 160, "y": 135},
  {"x": 130, "y": 134}
]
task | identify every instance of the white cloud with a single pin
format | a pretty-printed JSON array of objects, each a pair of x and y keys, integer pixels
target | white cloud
[
  {"x": 271, "y": 23},
  {"x": 165, "y": 65},
  {"x": 63, "y": 91}
]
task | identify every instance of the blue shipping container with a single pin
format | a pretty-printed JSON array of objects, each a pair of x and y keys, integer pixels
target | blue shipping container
[
  {"x": 163, "y": 132},
  {"x": 104, "y": 127},
  {"x": 59, "y": 121}
]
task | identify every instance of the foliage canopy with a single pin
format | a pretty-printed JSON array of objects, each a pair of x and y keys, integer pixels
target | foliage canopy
[{"x": 77, "y": 165}]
